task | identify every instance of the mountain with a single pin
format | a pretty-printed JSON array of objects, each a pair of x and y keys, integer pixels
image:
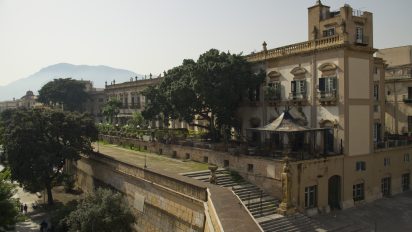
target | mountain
[{"x": 97, "y": 74}]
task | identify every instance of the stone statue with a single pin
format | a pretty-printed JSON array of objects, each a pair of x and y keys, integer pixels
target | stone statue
[
  {"x": 213, "y": 177},
  {"x": 285, "y": 207}
]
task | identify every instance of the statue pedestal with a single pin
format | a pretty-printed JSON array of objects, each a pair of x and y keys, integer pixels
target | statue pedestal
[{"x": 285, "y": 209}]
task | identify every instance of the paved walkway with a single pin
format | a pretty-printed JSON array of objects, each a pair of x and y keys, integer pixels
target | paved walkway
[
  {"x": 32, "y": 224},
  {"x": 392, "y": 214},
  {"x": 155, "y": 161}
]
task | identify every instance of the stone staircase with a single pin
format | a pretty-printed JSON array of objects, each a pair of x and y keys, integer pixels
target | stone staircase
[{"x": 262, "y": 206}]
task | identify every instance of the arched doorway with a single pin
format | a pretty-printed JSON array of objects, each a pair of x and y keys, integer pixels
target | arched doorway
[{"x": 334, "y": 192}]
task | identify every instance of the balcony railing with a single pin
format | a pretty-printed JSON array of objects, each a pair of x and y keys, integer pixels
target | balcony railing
[
  {"x": 393, "y": 143},
  {"x": 294, "y": 96},
  {"x": 297, "y": 48},
  {"x": 407, "y": 99},
  {"x": 327, "y": 95},
  {"x": 272, "y": 94},
  {"x": 364, "y": 40}
]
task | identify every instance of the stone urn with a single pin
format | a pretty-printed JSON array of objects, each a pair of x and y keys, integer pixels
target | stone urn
[{"x": 213, "y": 178}]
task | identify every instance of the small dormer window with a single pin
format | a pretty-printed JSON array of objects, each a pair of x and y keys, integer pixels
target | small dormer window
[{"x": 329, "y": 32}]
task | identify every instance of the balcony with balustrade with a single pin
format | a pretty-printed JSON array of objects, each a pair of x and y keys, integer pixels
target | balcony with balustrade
[
  {"x": 328, "y": 42},
  {"x": 299, "y": 98},
  {"x": 328, "y": 97}
]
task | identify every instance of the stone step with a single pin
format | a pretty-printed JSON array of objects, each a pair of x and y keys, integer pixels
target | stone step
[
  {"x": 244, "y": 185},
  {"x": 205, "y": 173},
  {"x": 264, "y": 204},
  {"x": 256, "y": 200},
  {"x": 350, "y": 228},
  {"x": 290, "y": 223},
  {"x": 251, "y": 195},
  {"x": 264, "y": 212},
  {"x": 280, "y": 220},
  {"x": 246, "y": 188},
  {"x": 203, "y": 177},
  {"x": 245, "y": 192},
  {"x": 229, "y": 185},
  {"x": 224, "y": 181},
  {"x": 263, "y": 209}
]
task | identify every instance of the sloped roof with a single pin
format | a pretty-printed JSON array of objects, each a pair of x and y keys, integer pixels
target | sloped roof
[{"x": 285, "y": 123}]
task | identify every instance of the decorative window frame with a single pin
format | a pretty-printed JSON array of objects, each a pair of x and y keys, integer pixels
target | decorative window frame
[{"x": 299, "y": 73}]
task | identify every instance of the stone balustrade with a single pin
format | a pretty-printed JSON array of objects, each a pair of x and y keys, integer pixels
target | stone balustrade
[{"x": 297, "y": 48}]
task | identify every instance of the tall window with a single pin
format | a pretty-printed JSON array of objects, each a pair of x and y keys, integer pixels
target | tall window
[
  {"x": 273, "y": 91},
  {"x": 359, "y": 35},
  {"x": 405, "y": 181},
  {"x": 254, "y": 94},
  {"x": 327, "y": 86},
  {"x": 376, "y": 132},
  {"x": 386, "y": 162},
  {"x": 358, "y": 192},
  {"x": 406, "y": 158},
  {"x": 386, "y": 186},
  {"x": 376, "y": 92},
  {"x": 137, "y": 102},
  {"x": 329, "y": 32},
  {"x": 132, "y": 103},
  {"x": 311, "y": 196},
  {"x": 298, "y": 88},
  {"x": 360, "y": 166},
  {"x": 409, "y": 123},
  {"x": 126, "y": 103},
  {"x": 409, "y": 93}
]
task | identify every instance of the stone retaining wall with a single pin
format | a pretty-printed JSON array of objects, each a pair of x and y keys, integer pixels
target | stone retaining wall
[
  {"x": 160, "y": 202},
  {"x": 265, "y": 172}
]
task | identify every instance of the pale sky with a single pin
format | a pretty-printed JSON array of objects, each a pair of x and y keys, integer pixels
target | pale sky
[{"x": 152, "y": 36}]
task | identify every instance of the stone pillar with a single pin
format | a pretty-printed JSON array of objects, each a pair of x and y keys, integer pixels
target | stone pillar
[{"x": 285, "y": 207}]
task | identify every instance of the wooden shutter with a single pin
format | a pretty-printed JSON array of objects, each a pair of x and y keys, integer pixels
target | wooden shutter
[
  {"x": 302, "y": 86},
  {"x": 293, "y": 86}
]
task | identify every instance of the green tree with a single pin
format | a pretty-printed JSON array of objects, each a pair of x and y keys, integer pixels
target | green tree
[
  {"x": 38, "y": 142},
  {"x": 8, "y": 205},
  {"x": 111, "y": 109},
  {"x": 138, "y": 120},
  {"x": 209, "y": 89},
  {"x": 103, "y": 211},
  {"x": 68, "y": 93}
]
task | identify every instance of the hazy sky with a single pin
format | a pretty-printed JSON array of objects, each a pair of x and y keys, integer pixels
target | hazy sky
[{"x": 153, "y": 35}]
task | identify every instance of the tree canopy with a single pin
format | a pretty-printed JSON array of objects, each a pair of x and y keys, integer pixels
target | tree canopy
[
  {"x": 8, "y": 205},
  {"x": 104, "y": 210},
  {"x": 68, "y": 93},
  {"x": 38, "y": 142},
  {"x": 209, "y": 89},
  {"x": 111, "y": 109},
  {"x": 138, "y": 121}
]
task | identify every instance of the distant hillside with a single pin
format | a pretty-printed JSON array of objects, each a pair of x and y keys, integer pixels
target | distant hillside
[{"x": 97, "y": 74}]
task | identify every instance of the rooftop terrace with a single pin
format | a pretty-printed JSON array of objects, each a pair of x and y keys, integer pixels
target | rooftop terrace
[{"x": 297, "y": 48}]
